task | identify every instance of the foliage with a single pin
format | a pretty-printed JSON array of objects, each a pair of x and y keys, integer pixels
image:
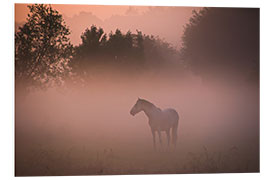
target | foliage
[
  {"x": 120, "y": 50},
  {"x": 223, "y": 41},
  {"x": 42, "y": 48},
  {"x": 159, "y": 54}
]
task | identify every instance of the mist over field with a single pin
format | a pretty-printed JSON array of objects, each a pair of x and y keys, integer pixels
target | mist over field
[{"x": 68, "y": 132}]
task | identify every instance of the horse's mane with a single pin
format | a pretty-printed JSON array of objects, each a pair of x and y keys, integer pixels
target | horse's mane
[{"x": 149, "y": 103}]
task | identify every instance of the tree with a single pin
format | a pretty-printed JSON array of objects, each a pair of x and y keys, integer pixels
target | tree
[
  {"x": 118, "y": 43},
  {"x": 42, "y": 48},
  {"x": 121, "y": 52},
  {"x": 93, "y": 40},
  {"x": 159, "y": 54},
  {"x": 89, "y": 51},
  {"x": 223, "y": 42}
]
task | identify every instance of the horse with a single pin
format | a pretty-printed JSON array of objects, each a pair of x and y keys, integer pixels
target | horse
[{"x": 158, "y": 120}]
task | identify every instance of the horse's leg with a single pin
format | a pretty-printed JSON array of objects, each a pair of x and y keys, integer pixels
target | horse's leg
[
  {"x": 154, "y": 138},
  {"x": 159, "y": 135},
  {"x": 174, "y": 134},
  {"x": 168, "y": 137}
]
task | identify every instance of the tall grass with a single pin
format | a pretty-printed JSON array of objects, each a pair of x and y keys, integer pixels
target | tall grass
[{"x": 82, "y": 161}]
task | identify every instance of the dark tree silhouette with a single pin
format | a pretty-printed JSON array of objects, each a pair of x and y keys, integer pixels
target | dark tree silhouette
[
  {"x": 42, "y": 48},
  {"x": 160, "y": 54},
  {"x": 88, "y": 52},
  {"x": 124, "y": 53},
  {"x": 93, "y": 41},
  {"x": 117, "y": 49},
  {"x": 118, "y": 44},
  {"x": 223, "y": 42}
]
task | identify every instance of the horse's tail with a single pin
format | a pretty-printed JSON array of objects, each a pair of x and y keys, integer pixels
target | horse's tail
[{"x": 174, "y": 131}]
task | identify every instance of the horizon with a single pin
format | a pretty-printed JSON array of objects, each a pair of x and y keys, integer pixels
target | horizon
[{"x": 112, "y": 17}]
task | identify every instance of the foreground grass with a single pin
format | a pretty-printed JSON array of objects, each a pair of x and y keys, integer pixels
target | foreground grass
[{"x": 48, "y": 161}]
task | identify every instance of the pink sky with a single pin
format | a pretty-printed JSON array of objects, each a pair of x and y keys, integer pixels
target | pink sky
[
  {"x": 165, "y": 22},
  {"x": 102, "y": 11}
]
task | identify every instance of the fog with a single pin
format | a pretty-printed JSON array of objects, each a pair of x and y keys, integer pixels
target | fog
[
  {"x": 86, "y": 130},
  {"x": 165, "y": 22}
]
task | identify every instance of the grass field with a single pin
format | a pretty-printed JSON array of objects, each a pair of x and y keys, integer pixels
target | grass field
[{"x": 91, "y": 132}]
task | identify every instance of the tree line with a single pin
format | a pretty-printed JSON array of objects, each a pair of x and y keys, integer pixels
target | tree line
[
  {"x": 216, "y": 41},
  {"x": 223, "y": 42}
]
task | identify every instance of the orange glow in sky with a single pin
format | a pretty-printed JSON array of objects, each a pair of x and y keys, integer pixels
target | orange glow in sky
[
  {"x": 102, "y": 11},
  {"x": 165, "y": 22}
]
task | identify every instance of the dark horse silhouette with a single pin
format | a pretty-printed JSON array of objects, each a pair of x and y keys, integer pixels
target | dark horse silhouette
[{"x": 159, "y": 120}]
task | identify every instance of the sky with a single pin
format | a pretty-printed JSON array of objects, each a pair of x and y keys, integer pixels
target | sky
[
  {"x": 165, "y": 22},
  {"x": 102, "y": 11}
]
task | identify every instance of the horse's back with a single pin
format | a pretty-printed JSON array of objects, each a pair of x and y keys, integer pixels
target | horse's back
[
  {"x": 164, "y": 119},
  {"x": 171, "y": 112},
  {"x": 171, "y": 115}
]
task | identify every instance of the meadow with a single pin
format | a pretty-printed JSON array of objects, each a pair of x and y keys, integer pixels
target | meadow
[{"x": 89, "y": 131}]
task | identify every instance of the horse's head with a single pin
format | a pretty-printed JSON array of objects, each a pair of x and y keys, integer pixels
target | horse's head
[{"x": 136, "y": 108}]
